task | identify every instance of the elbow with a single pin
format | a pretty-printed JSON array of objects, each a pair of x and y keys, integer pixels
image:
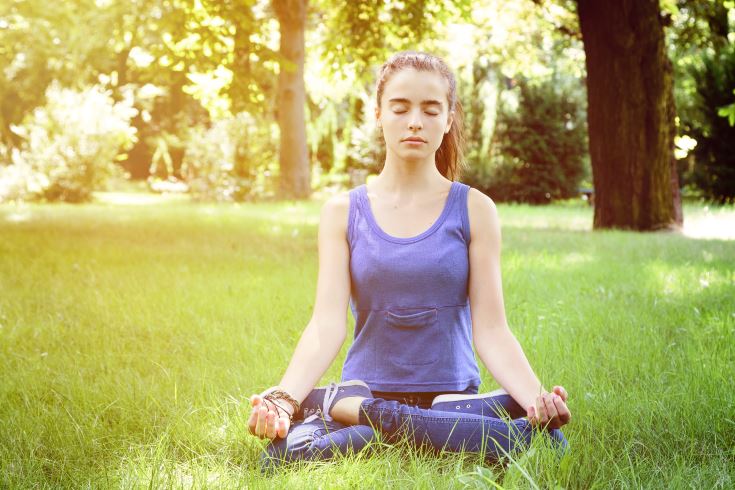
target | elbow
[
  {"x": 329, "y": 332},
  {"x": 340, "y": 335},
  {"x": 489, "y": 334}
]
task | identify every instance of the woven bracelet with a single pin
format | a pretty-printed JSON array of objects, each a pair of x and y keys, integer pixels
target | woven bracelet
[{"x": 280, "y": 394}]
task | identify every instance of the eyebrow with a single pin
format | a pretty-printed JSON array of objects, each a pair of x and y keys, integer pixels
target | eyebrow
[{"x": 423, "y": 102}]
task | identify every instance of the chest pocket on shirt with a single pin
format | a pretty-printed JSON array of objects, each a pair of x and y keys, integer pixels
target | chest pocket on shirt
[{"x": 412, "y": 336}]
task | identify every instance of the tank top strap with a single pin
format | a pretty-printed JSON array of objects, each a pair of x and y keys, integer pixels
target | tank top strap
[
  {"x": 457, "y": 197},
  {"x": 462, "y": 197},
  {"x": 352, "y": 220}
]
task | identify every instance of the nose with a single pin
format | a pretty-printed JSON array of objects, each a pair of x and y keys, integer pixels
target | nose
[{"x": 415, "y": 122}]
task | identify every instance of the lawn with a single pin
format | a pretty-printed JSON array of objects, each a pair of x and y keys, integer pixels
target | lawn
[{"x": 132, "y": 334}]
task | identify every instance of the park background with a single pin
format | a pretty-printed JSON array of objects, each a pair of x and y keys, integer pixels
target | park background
[{"x": 158, "y": 234}]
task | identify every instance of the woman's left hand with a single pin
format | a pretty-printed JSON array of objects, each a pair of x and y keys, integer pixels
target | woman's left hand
[{"x": 550, "y": 410}]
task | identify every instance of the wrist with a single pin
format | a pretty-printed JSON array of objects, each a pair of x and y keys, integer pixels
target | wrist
[
  {"x": 286, "y": 407},
  {"x": 282, "y": 399},
  {"x": 531, "y": 399}
]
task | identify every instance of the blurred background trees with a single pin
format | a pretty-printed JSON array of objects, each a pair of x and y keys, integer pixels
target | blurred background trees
[
  {"x": 700, "y": 41},
  {"x": 184, "y": 94}
]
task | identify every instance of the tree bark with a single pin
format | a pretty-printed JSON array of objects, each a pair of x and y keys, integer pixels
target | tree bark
[
  {"x": 630, "y": 107},
  {"x": 293, "y": 157}
]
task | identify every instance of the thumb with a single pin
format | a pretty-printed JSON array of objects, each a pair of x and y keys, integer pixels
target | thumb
[{"x": 531, "y": 414}]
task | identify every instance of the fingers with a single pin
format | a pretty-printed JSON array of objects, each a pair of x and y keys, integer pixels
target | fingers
[
  {"x": 264, "y": 420},
  {"x": 550, "y": 409},
  {"x": 550, "y": 406},
  {"x": 253, "y": 420},
  {"x": 270, "y": 425},
  {"x": 545, "y": 409},
  {"x": 559, "y": 390},
  {"x": 255, "y": 400},
  {"x": 561, "y": 408},
  {"x": 260, "y": 425},
  {"x": 283, "y": 426},
  {"x": 541, "y": 415},
  {"x": 555, "y": 411}
]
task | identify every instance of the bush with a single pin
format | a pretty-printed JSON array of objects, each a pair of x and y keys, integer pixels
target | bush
[
  {"x": 232, "y": 160},
  {"x": 367, "y": 150},
  {"x": 539, "y": 150},
  {"x": 19, "y": 182},
  {"x": 69, "y": 146},
  {"x": 713, "y": 172}
]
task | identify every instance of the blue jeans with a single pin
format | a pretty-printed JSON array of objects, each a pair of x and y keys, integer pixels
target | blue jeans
[
  {"x": 396, "y": 415},
  {"x": 318, "y": 440}
]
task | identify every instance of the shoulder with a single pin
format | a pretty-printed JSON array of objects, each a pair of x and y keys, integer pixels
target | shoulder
[
  {"x": 482, "y": 215},
  {"x": 335, "y": 212}
]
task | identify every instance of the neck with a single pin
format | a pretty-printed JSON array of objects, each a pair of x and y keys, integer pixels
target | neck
[{"x": 409, "y": 176}]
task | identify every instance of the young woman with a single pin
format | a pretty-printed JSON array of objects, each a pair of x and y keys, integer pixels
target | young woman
[{"x": 417, "y": 256}]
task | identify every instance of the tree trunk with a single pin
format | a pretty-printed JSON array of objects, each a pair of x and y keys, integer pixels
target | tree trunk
[
  {"x": 293, "y": 159},
  {"x": 631, "y": 128}
]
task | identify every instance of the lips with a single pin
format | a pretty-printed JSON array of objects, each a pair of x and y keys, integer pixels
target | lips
[{"x": 415, "y": 139}]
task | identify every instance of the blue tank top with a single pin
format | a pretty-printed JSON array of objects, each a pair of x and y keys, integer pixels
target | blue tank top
[{"x": 409, "y": 298}]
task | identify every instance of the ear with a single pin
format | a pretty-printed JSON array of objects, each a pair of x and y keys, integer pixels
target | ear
[
  {"x": 450, "y": 120},
  {"x": 377, "y": 116}
]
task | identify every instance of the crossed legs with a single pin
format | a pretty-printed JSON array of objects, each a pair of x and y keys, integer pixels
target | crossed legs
[{"x": 357, "y": 418}]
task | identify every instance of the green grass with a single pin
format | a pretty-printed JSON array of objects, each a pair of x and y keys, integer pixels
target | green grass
[{"x": 130, "y": 337}]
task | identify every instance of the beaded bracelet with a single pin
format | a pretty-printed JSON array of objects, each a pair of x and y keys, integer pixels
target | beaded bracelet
[{"x": 277, "y": 393}]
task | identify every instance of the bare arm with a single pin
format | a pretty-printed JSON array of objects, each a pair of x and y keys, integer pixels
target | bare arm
[
  {"x": 326, "y": 331},
  {"x": 496, "y": 345}
]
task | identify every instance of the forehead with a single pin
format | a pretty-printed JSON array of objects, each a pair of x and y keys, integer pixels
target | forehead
[{"x": 416, "y": 86}]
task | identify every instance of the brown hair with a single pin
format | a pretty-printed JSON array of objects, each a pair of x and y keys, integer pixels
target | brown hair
[{"x": 450, "y": 155}]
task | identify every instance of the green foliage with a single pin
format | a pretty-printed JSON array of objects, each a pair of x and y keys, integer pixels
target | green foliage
[
  {"x": 41, "y": 42},
  {"x": 209, "y": 59},
  {"x": 70, "y": 145},
  {"x": 367, "y": 147},
  {"x": 223, "y": 48},
  {"x": 233, "y": 160},
  {"x": 697, "y": 25},
  {"x": 728, "y": 111},
  {"x": 714, "y": 169},
  {"x": 696, "y": 28},
  {"x": 480, "y": 89},
  {"x": 362, "y": 35},
  {"x": 212, "y": 59},
  {"x": 540, "y": 149}
]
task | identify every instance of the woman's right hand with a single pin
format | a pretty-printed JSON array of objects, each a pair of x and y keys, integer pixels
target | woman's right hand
[
  {"x": 264, "y": 418},
  {"x": 551, "y": 410}
]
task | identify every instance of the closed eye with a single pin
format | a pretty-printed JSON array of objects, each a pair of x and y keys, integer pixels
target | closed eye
[{"x": 428, "y": 113}]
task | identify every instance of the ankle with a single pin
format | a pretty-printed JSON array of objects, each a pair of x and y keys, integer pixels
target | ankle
[{"x": 347, "y": 410}]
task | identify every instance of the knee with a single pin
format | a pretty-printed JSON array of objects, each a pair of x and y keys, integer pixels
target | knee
[
  {"x": 316, "y": 440},
  {"x": 549, "y": 438},
  {"x": 558, "y": 441},
  {"x": 522, "y": 435}
]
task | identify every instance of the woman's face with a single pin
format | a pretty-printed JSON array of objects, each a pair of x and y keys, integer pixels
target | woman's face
[{"x": 414, "y": 105}]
